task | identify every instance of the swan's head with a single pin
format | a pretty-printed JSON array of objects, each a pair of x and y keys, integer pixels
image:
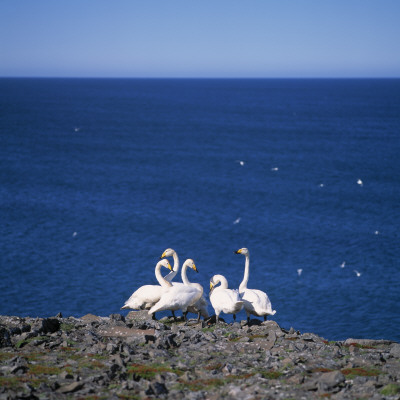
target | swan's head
[
  {"x": 214, "y": 282},
  {"x": 168, "y": 253},
  {"x": 243, "y": 251},
  {"x": 165, "y": 263},
  {"x": 190, "y": 263}
]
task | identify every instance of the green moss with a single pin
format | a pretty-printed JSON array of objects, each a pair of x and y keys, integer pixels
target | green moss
[
  {"x": 91, "y": 364},
  {"x": 270, "y": 374},
  {"x": 353, "y": 372},
  {"x": 16, "y": 382},
  {"x": 67, "y": 327},
  {"x": 390, "y": 390},
  {"x": 24, "y": 342}
]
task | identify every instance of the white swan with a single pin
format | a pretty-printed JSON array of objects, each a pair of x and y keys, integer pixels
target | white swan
[
  {"x": 146, "y": 296},
  {"x": 177, "y": 297},
  {"x": 200, "y": 307},
  {"x": 256, "y": 302},
  {"x": 223, "y": 299}
]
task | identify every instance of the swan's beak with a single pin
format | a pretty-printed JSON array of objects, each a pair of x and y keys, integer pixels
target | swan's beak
[
  {"x": 169, "y": 267},
  {"x": 238, "y": 251},
  {"x": 194, "y": 267},
  {"x": 162, "y": 255},
  {"x": 211, "y": 286}
]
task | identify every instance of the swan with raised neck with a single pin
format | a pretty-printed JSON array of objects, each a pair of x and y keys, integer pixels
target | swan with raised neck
[{"x": 256, "y": 302}]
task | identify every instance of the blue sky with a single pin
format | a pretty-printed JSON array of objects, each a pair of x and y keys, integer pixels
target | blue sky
[{"x": 218, "y": 38}]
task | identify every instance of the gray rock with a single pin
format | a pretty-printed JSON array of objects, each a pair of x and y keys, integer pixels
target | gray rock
[
  {"x": 329, "y": 380},
  {"x": 70, "y": 388},
  {"x": 395, "y": 350}
]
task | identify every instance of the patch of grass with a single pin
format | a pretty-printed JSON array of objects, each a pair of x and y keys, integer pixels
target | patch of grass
[
  {"x": 270, "y": 374},
  {"x": 91, "y": 364},
  {"x": 67, "y": 327},
  {"x": 322, "y": 369},
  {"x": 24, "y": 342},
  {"x": 390, "y": 390},
  {"x": 353, "y": 372},
  {"x": 15, "y": 382},
  {"x": 213, "y": 366},
  {"x": 235, "y": 339},
  {"x": 5, "y": 356},
  {"x": 210, "y": 329},
  {"x": 150, "y": 371},
  {"x": 37, "y": 369}
]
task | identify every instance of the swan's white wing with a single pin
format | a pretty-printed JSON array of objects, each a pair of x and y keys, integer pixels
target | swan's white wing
[
  {"x": 226, "y": 300},
  {"x": 147, "y": 294},
  {"x": 257, "y": 302}
]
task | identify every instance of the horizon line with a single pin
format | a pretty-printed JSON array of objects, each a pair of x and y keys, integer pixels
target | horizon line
[{"x": 193, "y": 77}]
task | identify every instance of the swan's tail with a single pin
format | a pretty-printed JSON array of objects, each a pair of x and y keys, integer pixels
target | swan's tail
[{"x": 238, "y": 306}]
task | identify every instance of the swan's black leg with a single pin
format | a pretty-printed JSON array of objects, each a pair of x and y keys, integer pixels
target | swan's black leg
[
  {"x": 173, "y": 314},
  {"x": 248, "y": 319},
  {"x": 265, "y": 317},
  {"x": 198, "y": 316},
  {"x": 153, "y": 316},
  {"x": 234, "y": 317},
  {"x": 185, "y": 315}
]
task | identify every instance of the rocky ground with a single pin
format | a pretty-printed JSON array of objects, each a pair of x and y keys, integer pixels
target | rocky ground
[{"x": 135, "y": 357}]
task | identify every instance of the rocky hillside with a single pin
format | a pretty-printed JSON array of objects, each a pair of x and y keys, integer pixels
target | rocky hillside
[{"x": 134, "y": 358}]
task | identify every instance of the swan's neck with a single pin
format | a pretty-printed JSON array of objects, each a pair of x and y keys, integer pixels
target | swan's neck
[
  {"x": 162, "y": 281},
  {"x": 175, "y": 269},
  {"x": 243, "y": 285},
  {"x": 222, "y": 280},
  {"x": 224, "y": 283},
  {"x": 185, "y": 279}
]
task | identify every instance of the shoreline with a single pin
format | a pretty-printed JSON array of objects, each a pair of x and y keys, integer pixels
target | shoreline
[{"x": 136, "y": 357}]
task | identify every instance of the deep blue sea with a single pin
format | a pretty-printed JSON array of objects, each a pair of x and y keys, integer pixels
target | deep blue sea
[{"x": 99, "y": 176}]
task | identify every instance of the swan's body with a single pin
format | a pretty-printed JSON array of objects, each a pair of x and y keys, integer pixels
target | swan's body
[
  {"x": 223, "y": 299},
  {"x": 178, "y": 296},
  {"x": 256, "y": 302},
  {"x": 146, "y": 296},
  {"x": 200, "y": 307}
]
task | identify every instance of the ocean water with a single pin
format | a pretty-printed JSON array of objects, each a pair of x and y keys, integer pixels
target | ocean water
[{"x": 99, "y": 176}]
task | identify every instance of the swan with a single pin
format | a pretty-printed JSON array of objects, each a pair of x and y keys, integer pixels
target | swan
[
  {"x": 177, "y": 297},
  {"x": 256, "y": 302},
  {"x": 223, "y": 299},
  {"x": 146, "y": 296},
  {"x": 200, "y": 307}
]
